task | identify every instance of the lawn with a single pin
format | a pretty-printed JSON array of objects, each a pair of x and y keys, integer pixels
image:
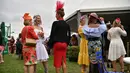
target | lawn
[{"x": 13, "y": 65}]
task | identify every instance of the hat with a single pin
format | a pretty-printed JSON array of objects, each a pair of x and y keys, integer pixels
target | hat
[
  {"x": 83, "y": 17},
  {"x": 118, "y": 20},
  {"x": 27, "y": 17},
  {"x": 94, "y": 15},
  {"x": 59, "y": 5}
]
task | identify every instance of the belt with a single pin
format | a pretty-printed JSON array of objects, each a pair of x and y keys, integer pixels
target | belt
[{"x": 94, "y": 39}]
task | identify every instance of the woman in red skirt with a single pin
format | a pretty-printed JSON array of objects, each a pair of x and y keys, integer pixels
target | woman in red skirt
[{"x": 59, "y": 39}]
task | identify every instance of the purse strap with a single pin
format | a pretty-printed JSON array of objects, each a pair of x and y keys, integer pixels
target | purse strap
[{"x": 26, "y": 31}]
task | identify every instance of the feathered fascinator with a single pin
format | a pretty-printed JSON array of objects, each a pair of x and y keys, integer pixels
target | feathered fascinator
[
  {"x": 59, "y": 5},
  {"x": 118, "y": 20},
  {"x": 27, "y": 17}
]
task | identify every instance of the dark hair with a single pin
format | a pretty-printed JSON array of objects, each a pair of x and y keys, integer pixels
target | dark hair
[
  {"x": 74, "y": 36},
  {"x": 61, "y": 12},
  {"x": 109, "y": 26},
  {"x": 20, "y": 35},
  {"x": 90, "y": 20}
]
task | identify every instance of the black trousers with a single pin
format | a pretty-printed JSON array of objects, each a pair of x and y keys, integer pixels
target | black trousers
[{"x": 93, "y": 68}]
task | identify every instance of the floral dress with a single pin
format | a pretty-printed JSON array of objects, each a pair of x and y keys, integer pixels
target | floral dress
[
  {"x": 29, "y": 52},
  {"x": 94, "y": 46}
]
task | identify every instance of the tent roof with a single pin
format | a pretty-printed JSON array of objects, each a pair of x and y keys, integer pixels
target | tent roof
[
  {"x": 101, "y": 5},
  {"x": 105, "y": 9},
  {"x": 98, "y": 10}
]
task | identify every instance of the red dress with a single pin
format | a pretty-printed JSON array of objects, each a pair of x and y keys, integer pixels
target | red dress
[
  {"x": 60, "y": 49},
  {"x": 29, "y": 53},
  {"x": 59, "y": 40}
]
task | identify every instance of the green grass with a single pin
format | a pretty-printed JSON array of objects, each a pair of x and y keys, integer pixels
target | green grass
[{"x": 13, "y": 65}]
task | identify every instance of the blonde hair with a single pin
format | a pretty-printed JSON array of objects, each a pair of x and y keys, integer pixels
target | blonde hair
[
  {"x": 26, "y": 22},
  {"x": 116, "y": 24},
  {"x": 35, "y": 18}
]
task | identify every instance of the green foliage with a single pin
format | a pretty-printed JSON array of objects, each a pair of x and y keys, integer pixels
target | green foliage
[{"x": 72, "y": 53}]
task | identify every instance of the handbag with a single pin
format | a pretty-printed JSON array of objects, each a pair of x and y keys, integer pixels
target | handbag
[{"x": 29, "y": 41}]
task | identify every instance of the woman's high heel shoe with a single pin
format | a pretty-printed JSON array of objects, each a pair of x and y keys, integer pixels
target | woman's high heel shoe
[
  {"x": 122, "y": 70},
  {"x": 114, "y": 70}
]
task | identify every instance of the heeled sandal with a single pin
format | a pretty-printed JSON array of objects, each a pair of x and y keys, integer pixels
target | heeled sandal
[
  {"x": 122, "y": 70},
  {"x": 114, "y": 70},
  {"x": 82, "y": 71}
]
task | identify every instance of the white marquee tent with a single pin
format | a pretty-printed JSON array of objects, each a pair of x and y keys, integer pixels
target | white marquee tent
[{"x": 109, "y": 9}]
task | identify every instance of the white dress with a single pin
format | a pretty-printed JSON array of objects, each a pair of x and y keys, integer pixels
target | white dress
[
  {"x": 116, "y": 47},
  {"x": 41, "y": 51}
]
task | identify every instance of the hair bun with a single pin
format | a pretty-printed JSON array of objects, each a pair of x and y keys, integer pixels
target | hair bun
[
  {"x": 61, "y": 9},
  {"x": 61, "y": 12}
]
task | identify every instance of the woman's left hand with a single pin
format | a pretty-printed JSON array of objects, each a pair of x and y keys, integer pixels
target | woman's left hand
[
  {"x": 101, "y": 18},
  {"x": 122, "y": 27},
  {"x": 41, "y": 34}
]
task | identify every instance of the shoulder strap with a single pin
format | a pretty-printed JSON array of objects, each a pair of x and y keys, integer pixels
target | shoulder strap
[{"x": 26, "y": 31}]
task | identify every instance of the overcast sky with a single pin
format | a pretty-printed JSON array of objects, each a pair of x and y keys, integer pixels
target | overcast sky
[{"x": 11, "y": 11}]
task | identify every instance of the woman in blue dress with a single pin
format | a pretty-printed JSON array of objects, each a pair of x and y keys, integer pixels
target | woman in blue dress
[{"x": 93, "y": 31}]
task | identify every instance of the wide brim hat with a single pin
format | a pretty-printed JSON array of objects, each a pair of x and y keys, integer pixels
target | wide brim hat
[
  {"x": 83, "y": 17},
  {"x": 94, "y": 15}
]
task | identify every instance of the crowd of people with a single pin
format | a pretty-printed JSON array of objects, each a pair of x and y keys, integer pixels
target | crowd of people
[
  {"x": 31, "y": 44},
  {"x": 91, "y": 46}
]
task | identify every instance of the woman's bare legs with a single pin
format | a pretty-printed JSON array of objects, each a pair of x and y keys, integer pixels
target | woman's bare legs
[
  {"x": 31, "y": 68},
  {"x": 0, "y": 57},
  {"x": 35, "y": 68},
  {"x": 2, "y": 60},
  {"x": 25, "y": 69},
  {"x": 57, "y": 70},
  {"x": 114, "y": 65},
  {"x": 45, "y": 65},
  {"x": 64, "y": 67},
  {"x": 83, "y": 69},
  {"x": 122, "y": 63}
]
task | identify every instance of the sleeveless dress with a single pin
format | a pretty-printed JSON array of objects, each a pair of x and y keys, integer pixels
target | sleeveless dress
[
  {"x": 41, "y": 51},
  {"x": 83, "y": 57},
  {"x": 116, "y": 47}
]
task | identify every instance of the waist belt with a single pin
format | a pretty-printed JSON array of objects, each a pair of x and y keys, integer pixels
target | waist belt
[{"x": 94, "y": 39}]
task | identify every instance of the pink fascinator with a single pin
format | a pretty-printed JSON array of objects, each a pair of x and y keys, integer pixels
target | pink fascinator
[
  {"x": 59, "y": 5},
  {"x": 118, "y": 20}
]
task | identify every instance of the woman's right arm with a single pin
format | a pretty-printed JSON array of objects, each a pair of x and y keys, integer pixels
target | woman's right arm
[
  {"x": 53, "y": 30},
  {"x": 122, "y": 32},
  {"x": 103, "y": 27},
  {"x": 50, "y": 42},
  {"x": 32, "y": 33}
]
